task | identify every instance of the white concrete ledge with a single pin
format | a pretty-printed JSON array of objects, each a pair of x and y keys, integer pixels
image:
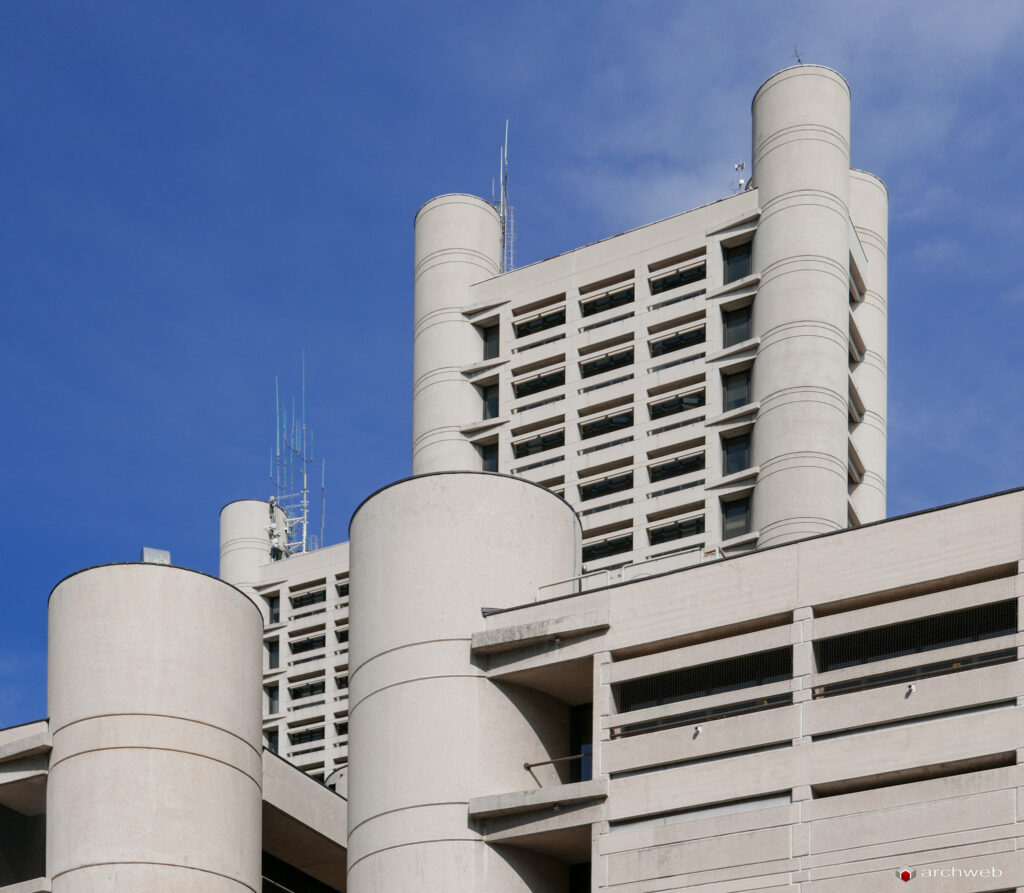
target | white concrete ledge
[
  {"x": 23, "y": 741},
  {"x": 539, "y": 798},
  {"x": 506, "y": 637},
  {"x": 36, "y": 885}
]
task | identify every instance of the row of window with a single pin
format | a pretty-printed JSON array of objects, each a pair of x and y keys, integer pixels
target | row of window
[{"x": 302, "y": 646}]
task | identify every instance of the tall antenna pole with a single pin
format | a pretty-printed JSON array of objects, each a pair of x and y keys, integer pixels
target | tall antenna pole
[{"x": 506, "y": 213}]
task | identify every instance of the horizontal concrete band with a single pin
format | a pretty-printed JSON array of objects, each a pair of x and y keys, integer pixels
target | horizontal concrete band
[
  {"x": 145, "y": 873},
  {"x": 153, "y": 732},
  {"x": 826, "y": 137},
  {"x": 798, "y": 396},
  {"x": 808, "y": 267},
  {"x": 442, "y": 375},
  {"x": 353, "y": 704},
  {"x": 462, "y": 256},
  {"x": 445, "y": 313},
  {"x": 804, "y": 198},
  {"x": 412, "y": 823},
  {"x": 805, "y": 328},
  {"x": 793, "y": 528},
  {"x": 405, "y": 661}
]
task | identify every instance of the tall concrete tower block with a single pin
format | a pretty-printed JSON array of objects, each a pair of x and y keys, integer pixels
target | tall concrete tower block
[
  {"x": 869, "y": 208},
  {"x": 458, "y": 243},
  {"x": 155, "y": 711},
  {"x": 428, "y": 730},
  {"x": 245, "y": 540},
  {"x": 801, "y": 167}
]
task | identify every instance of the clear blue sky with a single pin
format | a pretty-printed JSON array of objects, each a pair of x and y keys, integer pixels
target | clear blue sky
[{"x": 195, "y": 192}]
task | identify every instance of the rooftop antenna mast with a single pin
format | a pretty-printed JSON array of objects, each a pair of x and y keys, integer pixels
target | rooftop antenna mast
[
  {"x": 506, "y": 213},
  {"x": 289, "y": 473}
]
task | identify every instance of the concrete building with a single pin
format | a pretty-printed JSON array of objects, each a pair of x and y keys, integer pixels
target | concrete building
[{"x": 635, "y": 625}]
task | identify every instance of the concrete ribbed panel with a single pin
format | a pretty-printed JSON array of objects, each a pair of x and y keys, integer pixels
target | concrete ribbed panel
[
  {"x": 427, "y": 730},
  {"x": 245, "y": 540},
  {"x": 869, "y": 209},
  {"x": 458, "y": 243},
  {"x": 801, "y": 158},
  {"x": 155, "y": 710}
]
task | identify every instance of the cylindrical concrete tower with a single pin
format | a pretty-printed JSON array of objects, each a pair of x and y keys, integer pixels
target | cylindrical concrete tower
[
  {"x": 869, "y": 208},
  {"x": 458, "y": 243},
  {"x": 245, "y": 540},
  {"x": 428, "y": 731},
  {"x": 154, "y": 697},
  {"x": 801, "y": 166}
]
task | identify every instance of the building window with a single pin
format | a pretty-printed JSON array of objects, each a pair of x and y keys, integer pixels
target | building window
[
  {"x": 539, "y": 383},
  {"x": 581, "y": 742},
  {"x": 341, "y": 728},
  {"x": 607, "y": 363},
  {"x": 310, "y": 644},
  {"x": 342, "y": 635},
  {"x": 677, "y": 341},
  {"x": 271, "y": 737},
  {"x": 735, "y": 518},
  {"x": 679, "y": 403},
  {"x": 679, "y": 277},
  {"x": 306, "y": 735},
  {"x": 309, "y": 598},
  {"x": 273, "y": 609},
  {"x": 676, "y": 531},
  {"x": 609, "y": 423},
  {"x": 605, "y": 548},
  {"x": 490, "y": 398},
  {"x": 539, "y": 444},
  {"x": 735, "y": 326},
  {"x": 735, "y": 453},
  {"x": 341, "y": 682},
  {"x": 737, "y": 262},
  {"x": 606, "y": 302},
  {"x": 676, "y": 467},
  {"x": 606, "y": 486},
  {"x": 273, "y": 699},
  {"x": 273, "y": 654},
  {"x": 735, "y": 389},
  {"x": 342, "y": 589},
  {"x": 489, "y": 455},
  {"x": 491, "y": 342},
  {"x": 307, "y": 690},
  {"x": 540, "y": 323}
]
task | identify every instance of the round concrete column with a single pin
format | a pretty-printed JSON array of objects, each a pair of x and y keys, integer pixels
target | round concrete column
[
  {"x": 428, "y": 731},
  {"x": 801, "y": 158},
  {"x": 458, "y": 243},
  {"x": 869, "y": 208},
  {"x": 245, "y": 544},
  {"x": 154, "y": 699}
]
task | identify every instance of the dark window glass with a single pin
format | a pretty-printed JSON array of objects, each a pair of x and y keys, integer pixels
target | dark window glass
[
  {"x": 735, "y": 326},
  {"x": 676, "y": 467},
  {"x": 736, "y": 389},
  {"x": 679, "y": 403},
  {"x": 273, "y": 654},
  {"x": 606, "y": 424},
  {"x": 539, "y": 444},
  {"x": 676, "y": 531},
  {"x": 540, "y": 323},
  {"x": 342, "y": 635},
  {"x": 272, "y": 740},
  {"x": 341, "y": 728},
  {"x": 306, "y": 735},
  {"x": 307, "y": 690},
  {"x": 735, "y": 518},
  {"x": 581, "y": 741},
  {"x": 490, "y": 398},
  {"x": 342, "y": 589},
  {"x": 489, "y": 454},
  {"x": 540, "y": 383},
  {"x": 914, "y": 636},
  {"x": 309, "y": 598},
  {"x": 604, "y": 364},
  {"x": 735, "y": 453},
  {"x": 341, "y": 681},
  {"x": 605, "y": 486},
  {"x": 604, "y": 548},
  {"x": 274, "y": 610},
  {"x": 737, "y": 262},
  {"x": 491, "y": 344},
  {"x": 308, "y": 644},
  {"x": 579, "y": 878},
  {"x": 731, "y": 674},
  {"x": 677, "y": 341},
  {"x": 680, "y": 277},
  {"x": 273, "y": 700},
  {"x": 606, "y": 302}
]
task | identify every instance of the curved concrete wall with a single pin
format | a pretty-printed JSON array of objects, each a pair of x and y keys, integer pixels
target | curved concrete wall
[
  {"x": 245, "y": 540},
  {"x": 155, "y": 710},
  {"x": 428, "y": 731},
  {"x": 458, "y": 243},
  {"x": 869, "y": 208},
  {"x": 801, "y": 160}
]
